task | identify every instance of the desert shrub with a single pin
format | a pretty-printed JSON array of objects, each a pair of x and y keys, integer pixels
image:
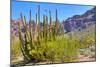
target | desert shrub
[
  {"x": 15, "y": 47},
  {"x": 86, "y": 41},
  {"x": 59, "y": 50}
]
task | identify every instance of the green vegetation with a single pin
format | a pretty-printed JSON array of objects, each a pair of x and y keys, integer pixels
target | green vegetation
[
  {"x": 49, "y": 44},
  {"x": 15, "y": 48}
]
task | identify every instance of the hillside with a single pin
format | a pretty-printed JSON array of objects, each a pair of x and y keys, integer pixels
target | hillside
[{"x": 80, "y": 21}]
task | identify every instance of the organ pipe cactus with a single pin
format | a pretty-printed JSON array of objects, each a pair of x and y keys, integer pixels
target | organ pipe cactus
[
  {"x": 30, "y": 30},
  {"x": 34, "y": 40},
  {"x": 56, "y": 23},
  {"x": 50, "y": 30}
]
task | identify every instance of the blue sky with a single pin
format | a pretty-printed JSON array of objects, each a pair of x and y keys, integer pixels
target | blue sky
[{"x": 64, "y": 10}]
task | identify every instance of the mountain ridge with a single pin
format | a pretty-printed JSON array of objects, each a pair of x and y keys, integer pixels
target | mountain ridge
[{"x": 80, "y": 21}]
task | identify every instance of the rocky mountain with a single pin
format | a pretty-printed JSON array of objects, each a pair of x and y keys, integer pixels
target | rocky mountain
[
  {"x": 80, "y": 21},
  {"x": 75, "y": 22}
]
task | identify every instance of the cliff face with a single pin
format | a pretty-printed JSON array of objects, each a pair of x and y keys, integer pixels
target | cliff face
[{"x": 80, "y": 21}]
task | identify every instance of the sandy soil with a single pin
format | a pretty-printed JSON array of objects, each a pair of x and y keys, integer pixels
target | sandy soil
[{"x": 85, "y": 58}]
